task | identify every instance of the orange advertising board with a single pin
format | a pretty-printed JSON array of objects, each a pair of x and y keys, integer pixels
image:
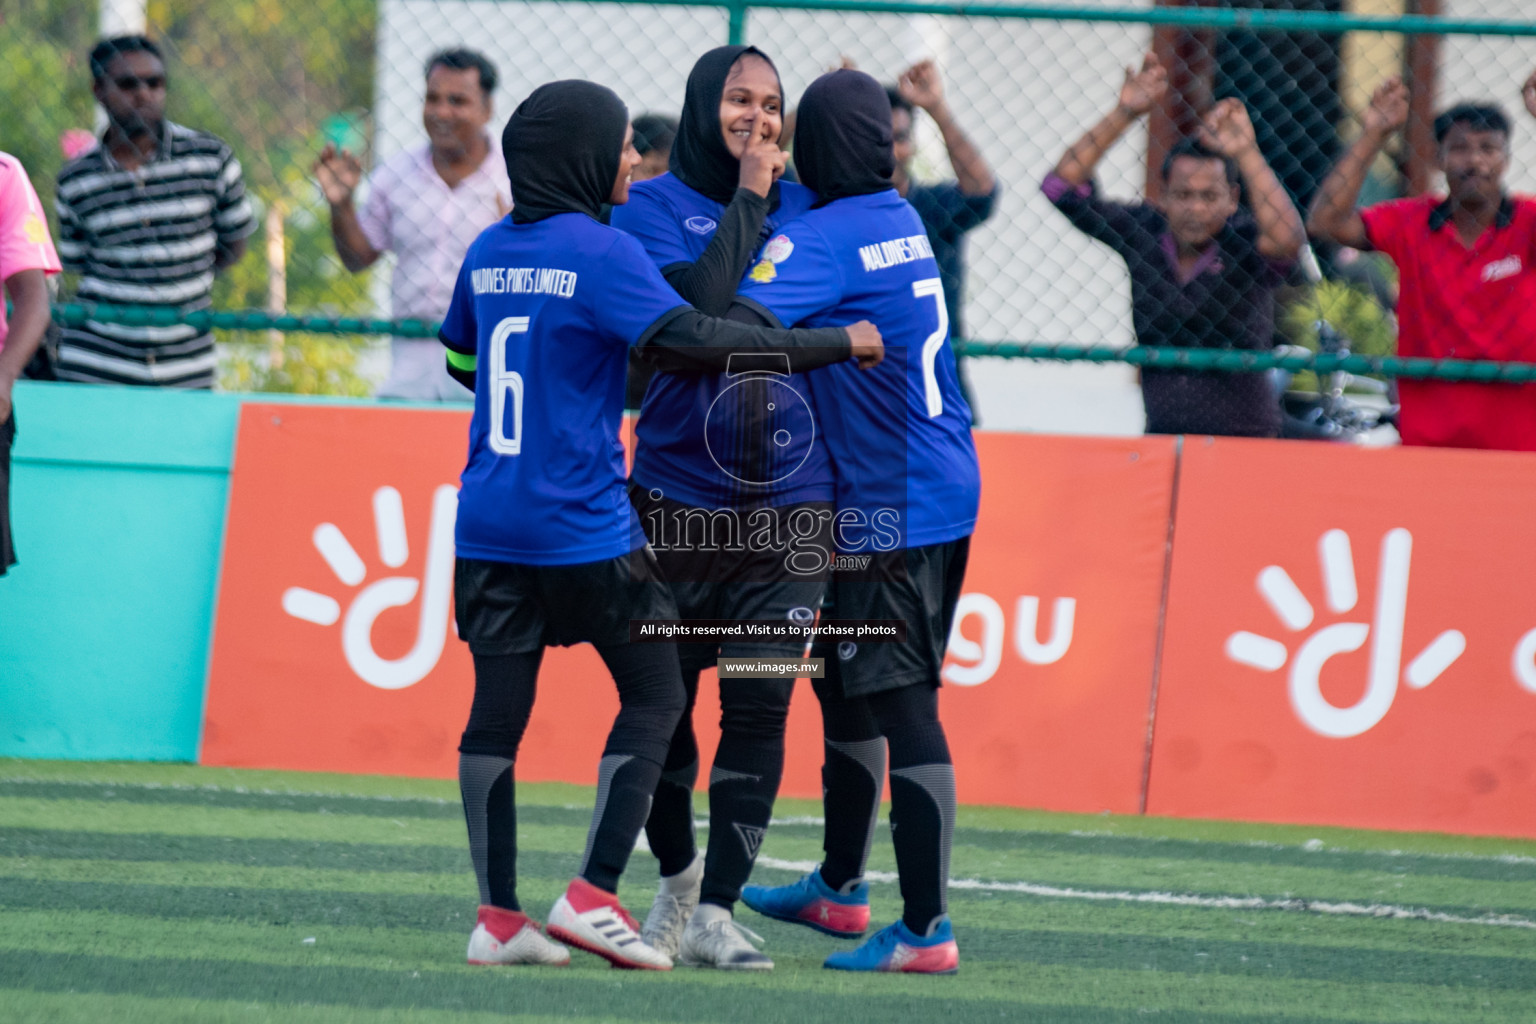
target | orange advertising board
[
  {"x": 1350, "y": 639},
  {"x": 1049, "y": 677},
  {"x": 334, "y": 647}
]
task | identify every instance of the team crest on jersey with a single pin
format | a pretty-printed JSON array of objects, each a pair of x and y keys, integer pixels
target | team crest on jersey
[
  {"x": 778, "y": 249},
  {"x": 700, "y": 225},
  {"x": 764, "y": 272}
]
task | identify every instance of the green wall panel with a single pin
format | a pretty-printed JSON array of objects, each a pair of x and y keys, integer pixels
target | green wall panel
[{"x": 117, "y": 498}]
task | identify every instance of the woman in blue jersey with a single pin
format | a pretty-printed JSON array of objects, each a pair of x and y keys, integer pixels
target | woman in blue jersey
[
  {"x": 908, "y": 488},
  {"x": 546, "y": 308},
  {"x": 713, "y": 451}
]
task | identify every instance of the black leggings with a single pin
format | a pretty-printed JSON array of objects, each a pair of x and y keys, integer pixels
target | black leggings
[
  {"x": 906, "y": 720},
  {"x": 651, "y": 700},
  {"x": 748, "y": 765},
  {"x": 858, "y": 718}
]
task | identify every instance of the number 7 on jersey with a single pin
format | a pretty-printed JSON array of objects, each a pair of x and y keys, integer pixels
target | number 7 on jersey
[
  {"x": 506, "y": 385},
  {"x": 933, "y": 287}
]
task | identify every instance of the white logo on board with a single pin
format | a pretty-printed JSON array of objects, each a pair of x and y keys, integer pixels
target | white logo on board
[
  {"x": 1295, "y": 612},
  {"x": 976, "y": 661},
  {"x": 390, "y": 592}
]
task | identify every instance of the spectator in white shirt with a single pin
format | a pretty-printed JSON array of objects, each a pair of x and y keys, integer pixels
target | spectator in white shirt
[{"x": 426, "y": 205}]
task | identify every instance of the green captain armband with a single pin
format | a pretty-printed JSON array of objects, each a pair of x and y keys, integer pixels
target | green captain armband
[{"x": 461, "y": 361}]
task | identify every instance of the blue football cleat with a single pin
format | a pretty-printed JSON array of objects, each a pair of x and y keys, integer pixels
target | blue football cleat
[
  {"x": 814, "y": 903},
  {"x": 897, "y": 949}
]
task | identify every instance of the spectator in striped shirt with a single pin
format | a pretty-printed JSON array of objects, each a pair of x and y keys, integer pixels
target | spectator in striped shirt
[{"x": 146, "y": 219}]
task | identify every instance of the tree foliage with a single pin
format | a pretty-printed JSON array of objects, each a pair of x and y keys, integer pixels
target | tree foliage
[{"x": 271, "y": 78}]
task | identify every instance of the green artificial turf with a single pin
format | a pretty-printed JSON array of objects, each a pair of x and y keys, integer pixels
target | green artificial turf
[{"x": 133, "y": 892}]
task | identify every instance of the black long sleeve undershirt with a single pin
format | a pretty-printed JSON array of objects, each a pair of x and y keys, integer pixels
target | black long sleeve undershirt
[
  {"x": 687, "y": 341},
  {"x": 709, "y": 284},
  {"x": 690, "y": 341}
]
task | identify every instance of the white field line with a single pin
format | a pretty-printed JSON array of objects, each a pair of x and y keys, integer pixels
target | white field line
[
  {"x": 1176, "y": 899},
  {"x": 1374, "y": 910},
  {"x": 1325, "y": 907},
  {"x": 1311, "y": 845}
]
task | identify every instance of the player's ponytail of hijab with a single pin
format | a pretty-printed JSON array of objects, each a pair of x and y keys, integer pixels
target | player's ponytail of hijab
[
  {"x": 843, "y": 136},
  {"x": 562, "y": 148},
  {"x": 699, "y": 158}
]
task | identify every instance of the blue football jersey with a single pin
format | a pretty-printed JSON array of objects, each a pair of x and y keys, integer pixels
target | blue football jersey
[
  {"x": 900, "y": 434},
  {"x": 720, "y": 440},
  {"x": 550, "y": 310}
]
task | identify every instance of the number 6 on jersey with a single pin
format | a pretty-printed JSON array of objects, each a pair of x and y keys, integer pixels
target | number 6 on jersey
[{"x": 506, "y": 384}]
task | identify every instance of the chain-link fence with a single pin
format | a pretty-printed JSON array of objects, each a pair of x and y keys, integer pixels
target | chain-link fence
[{"x": 278, "y": 80}]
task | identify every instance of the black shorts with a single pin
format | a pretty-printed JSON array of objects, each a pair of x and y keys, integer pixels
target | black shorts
[
  {"x": 918, "y": 585},
  {"x": 502, "y": 608},
  {"x": 712, "y": 578},
  {"x": 7, "y": 438}
]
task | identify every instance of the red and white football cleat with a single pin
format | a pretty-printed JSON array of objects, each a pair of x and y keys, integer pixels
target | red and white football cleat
[
  {"x": 512, "y": 937},
  {"x": 591, "y": 919}
]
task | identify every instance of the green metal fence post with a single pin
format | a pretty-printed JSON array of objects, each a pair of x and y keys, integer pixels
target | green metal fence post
[{"x": 738, "y": 29}]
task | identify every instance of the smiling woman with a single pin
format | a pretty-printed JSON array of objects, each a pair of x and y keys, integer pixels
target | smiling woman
[
  {"x": 752, "y": 113},
  {"x": 426, "y": 204},
  {"x": 710, "y": 445}
]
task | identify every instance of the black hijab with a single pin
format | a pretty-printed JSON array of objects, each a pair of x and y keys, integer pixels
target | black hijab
[
  {"x": 699, "y": 157},
  {"x": 562, "y": 148},
  {"x": 843, "y": 136}
]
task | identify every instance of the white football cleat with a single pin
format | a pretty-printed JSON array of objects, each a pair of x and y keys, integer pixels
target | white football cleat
[
  {"x": 676, "y": 898},
  {"x": 712, "y": 939},
  {"x": 512, "y": 937},
  {"x": 591, "y": 919}
]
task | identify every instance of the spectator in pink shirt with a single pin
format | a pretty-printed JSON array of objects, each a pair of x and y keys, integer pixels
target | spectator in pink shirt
[
  {"x": 26, "y": 258},
  {"x": 425, "y": 205}
]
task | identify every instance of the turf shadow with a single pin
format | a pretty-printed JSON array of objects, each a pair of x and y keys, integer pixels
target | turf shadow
[
  {"x": 614, "y": 995},
  {"x": 70, "y": 844},
  {"x": 1492, "y": 869},
  {"x": 308, "y": 803},
  {"x": 320, "y": 909}
]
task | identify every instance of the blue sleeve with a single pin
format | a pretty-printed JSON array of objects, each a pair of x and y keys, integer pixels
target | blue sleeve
[
  {"x": 458, "y": 331},
  {"x": 797, "y": 277},
  {"x": 634, "y": 297},
  {"x": 655, "y": 226}
]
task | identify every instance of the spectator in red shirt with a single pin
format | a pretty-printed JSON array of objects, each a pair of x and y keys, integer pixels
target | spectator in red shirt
[{"x": 1465, "y": 259}]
